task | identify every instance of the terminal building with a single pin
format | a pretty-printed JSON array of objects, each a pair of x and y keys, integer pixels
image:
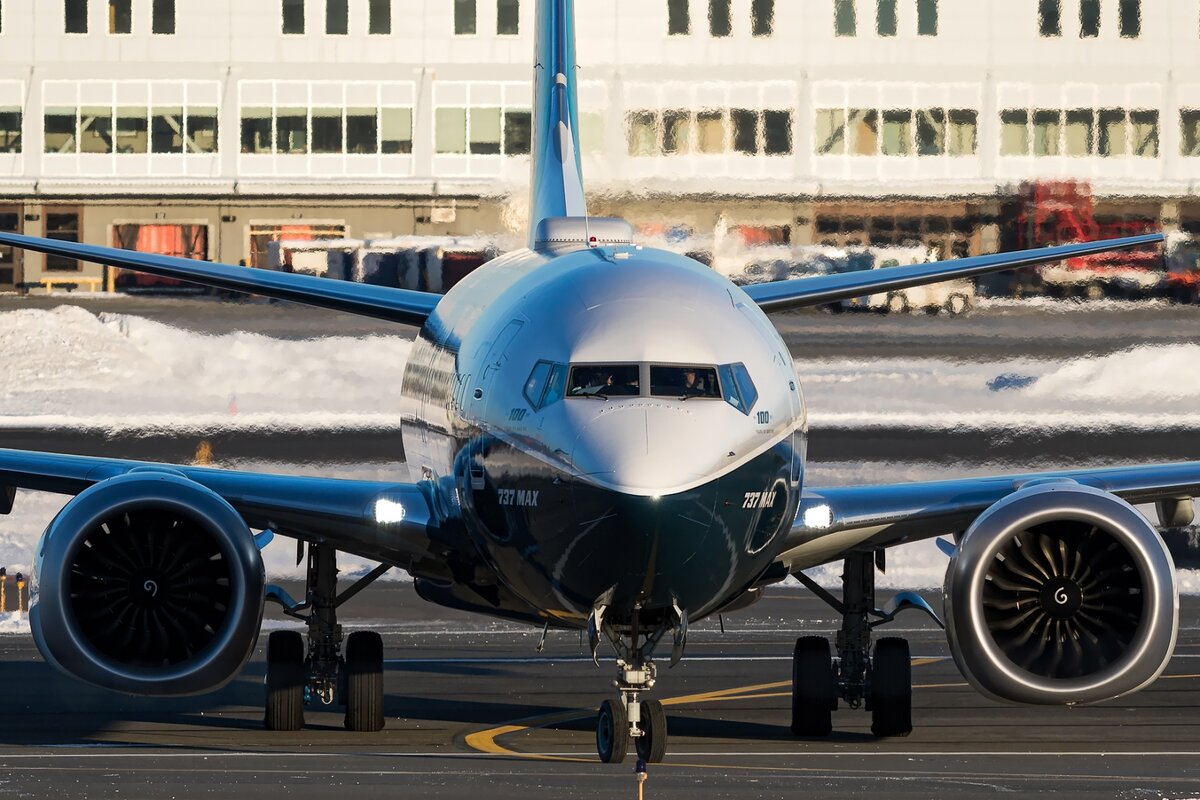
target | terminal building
[{"x": 210, "y": 128}]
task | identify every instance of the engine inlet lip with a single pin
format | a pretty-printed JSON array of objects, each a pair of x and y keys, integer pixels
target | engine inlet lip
[{"x": 1065, "y": 502}]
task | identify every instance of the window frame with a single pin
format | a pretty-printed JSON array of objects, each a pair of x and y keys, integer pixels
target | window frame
[{"x": 75, "y": 264}]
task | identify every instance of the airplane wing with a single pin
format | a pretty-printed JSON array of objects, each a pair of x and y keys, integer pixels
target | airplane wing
[
  {"x": 831, "y": 522},
  {"x": 381, "y": 302},
  {"x": 384, "y": 521},
  {"x": 820, "y": 289}
]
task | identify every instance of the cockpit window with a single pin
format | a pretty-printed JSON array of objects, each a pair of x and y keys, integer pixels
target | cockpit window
[
  {"x": 739, "y": 389},
  {"x": 545, "y": 384},
  {"x": 684, "y": 381},
  {"x": 604, "y": 380}
]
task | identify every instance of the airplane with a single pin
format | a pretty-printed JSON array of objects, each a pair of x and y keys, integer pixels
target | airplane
[{"x": 606, "y": 438}]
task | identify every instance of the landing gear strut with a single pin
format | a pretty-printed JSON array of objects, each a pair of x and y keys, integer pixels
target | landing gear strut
[
  {"x": 631, "y": 717},
  {"x": 881, "y": 682},
  {"x": 323, "y": 676}
]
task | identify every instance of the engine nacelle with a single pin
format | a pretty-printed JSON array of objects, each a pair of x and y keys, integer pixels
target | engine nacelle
[
  {"x": 1060, "y": 594},
  {"x": 150, "y": 584}
]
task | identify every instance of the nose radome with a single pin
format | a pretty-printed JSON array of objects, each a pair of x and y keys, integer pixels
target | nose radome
[{"x": 648, "y": 450}]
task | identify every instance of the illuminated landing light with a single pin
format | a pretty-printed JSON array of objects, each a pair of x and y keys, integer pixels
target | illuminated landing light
[
  {"x": 388, "y": 512},
  {"x": 818, "y": 517}
]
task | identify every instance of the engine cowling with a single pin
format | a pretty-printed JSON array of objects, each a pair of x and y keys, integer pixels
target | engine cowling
[
  {"x": 150, "y": 584},
  {"x": 1059, "y": 594}
]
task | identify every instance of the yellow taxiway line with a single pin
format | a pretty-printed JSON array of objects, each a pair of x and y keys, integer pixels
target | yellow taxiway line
[{"x": 485, "y": 741}]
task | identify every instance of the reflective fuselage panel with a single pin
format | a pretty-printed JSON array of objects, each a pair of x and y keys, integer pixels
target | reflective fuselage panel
[{"x": 660, "y": 501}]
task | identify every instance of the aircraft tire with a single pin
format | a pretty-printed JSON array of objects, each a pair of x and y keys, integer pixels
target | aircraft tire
[
  {"x": 814, "y": 691},
  {"x": 285, "y": 682},
  {"x": 612, "y": 732},
  {"x": 364, "y": 681},
  {"x": 652, "y": 744},
  {"x": 891, "y": 688}
]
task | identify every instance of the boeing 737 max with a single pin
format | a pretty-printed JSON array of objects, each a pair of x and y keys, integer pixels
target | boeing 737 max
[{"x": 606, "y": 437}]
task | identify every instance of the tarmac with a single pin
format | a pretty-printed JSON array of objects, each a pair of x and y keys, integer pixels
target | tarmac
[{"x": 473, "y": 710}]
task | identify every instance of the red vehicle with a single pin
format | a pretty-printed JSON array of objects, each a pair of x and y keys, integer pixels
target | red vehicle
[{"x": 1060, "y": 212}]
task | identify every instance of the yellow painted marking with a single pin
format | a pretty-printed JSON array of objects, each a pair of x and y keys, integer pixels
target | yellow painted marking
[{"x": 485, "y": 741}]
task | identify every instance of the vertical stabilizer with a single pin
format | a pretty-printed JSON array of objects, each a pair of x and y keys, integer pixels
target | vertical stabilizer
[{"x": 557, "y": 180}]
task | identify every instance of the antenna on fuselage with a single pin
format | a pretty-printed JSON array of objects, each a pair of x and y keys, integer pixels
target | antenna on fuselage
[{"x": 556, "y": 179}]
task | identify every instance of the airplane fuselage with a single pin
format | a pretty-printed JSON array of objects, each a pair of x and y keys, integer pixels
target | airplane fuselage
[{"x": 548, "y": 397}]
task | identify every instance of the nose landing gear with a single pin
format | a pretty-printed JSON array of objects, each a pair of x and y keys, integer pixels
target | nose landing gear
[{"x": 630, "y": 717}]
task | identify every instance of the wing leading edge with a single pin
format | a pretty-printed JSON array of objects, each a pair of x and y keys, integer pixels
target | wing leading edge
[
  {"x": 834, "y": 521},
  {"x": 381, "y": 302},
  {"x": 820, "y": 289},
  {"x": 392, "y": 522}
]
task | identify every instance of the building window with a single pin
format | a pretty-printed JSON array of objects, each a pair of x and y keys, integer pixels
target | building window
[
  {"x": 162, "y": 17},
  {"x": 927, "y": 18},
  {"x": 95, "y": 129},
  {"x": 75, "y": 16},
  {"x": 1189, "y": 129},
  {"x": 1014, "y": 132},
  {"x": 845, "y": 22},
  {"x": 720, "y": 22},
  {"x": 132, "y": 130},
  {"x": 1144, "y": 131},
  {"x": 379, "y": 15},
  {"x": 482, "y": 131},
  {"x": 896, "y": 132},
  {"x": 1080, "y": 132},
  {"x": 1050, "y": 17},
  {"x": 464, "y": 18},
  {"x": 293, "y": 16},
  {"x": 885, "y": 18},
  {"x": 337, "y": 17},
  {"x": 679, "y": 21},
  {"x": 762, "y": 17},
  {"x": 62, "y": 226},
  {"x": 10, "y": 130},
  {"x": 1089, "y": 19},
  {"x": 166, "y": 130},
  {"x": 508, "y": 17},
  {"x": 321, "y": 130},
  {"x": 120, "y": 16},
  {"x": 58, "y": 134},
  {"x": 1130, "y": 18},
  {"x": 1113, "y": 138},
  {"x": 710, "y": 132},
  {"x": 962, "y": 137}
]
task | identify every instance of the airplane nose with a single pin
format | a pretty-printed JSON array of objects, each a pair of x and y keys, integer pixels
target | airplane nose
[{"x": 647, "y": 450}]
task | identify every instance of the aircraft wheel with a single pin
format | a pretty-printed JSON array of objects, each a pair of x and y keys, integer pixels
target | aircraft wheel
[
  {"x": 814, "y": 691},
  {"x": 891, "y": 688},
  {"x": 285, "y": 681},
  {"x": 957, "y": 304},
  {"x": 364, "y": 681},
  {"x": 897, "y": 304},
  {"x": 652, "y": 744},
  {"x": 612, "y": 732}
]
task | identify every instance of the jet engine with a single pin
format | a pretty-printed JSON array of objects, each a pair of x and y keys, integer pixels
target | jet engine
[
  {"x": 1060, "y": 594},
  {"x": 150, "y": 584}
]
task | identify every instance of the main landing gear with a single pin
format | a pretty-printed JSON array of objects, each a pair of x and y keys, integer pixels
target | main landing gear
[
  {"x": 632, "y": 718},
  {"x": 882, "y": 683},
  {"x": 324, "y": 676}
]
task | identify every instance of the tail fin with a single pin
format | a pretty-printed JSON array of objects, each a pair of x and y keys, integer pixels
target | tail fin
[{"x": 556, "y": 180}]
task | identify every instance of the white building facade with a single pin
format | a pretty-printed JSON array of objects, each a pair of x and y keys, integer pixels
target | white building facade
[{"x": 210, "y": 127}]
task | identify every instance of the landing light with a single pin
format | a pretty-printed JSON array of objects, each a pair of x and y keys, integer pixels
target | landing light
[
  {"x": 818, "y": 517},
  {"x": 388, "y": 511}
]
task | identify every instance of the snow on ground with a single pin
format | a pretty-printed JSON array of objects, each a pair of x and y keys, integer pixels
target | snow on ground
[{"x": 68, "y": 367}]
